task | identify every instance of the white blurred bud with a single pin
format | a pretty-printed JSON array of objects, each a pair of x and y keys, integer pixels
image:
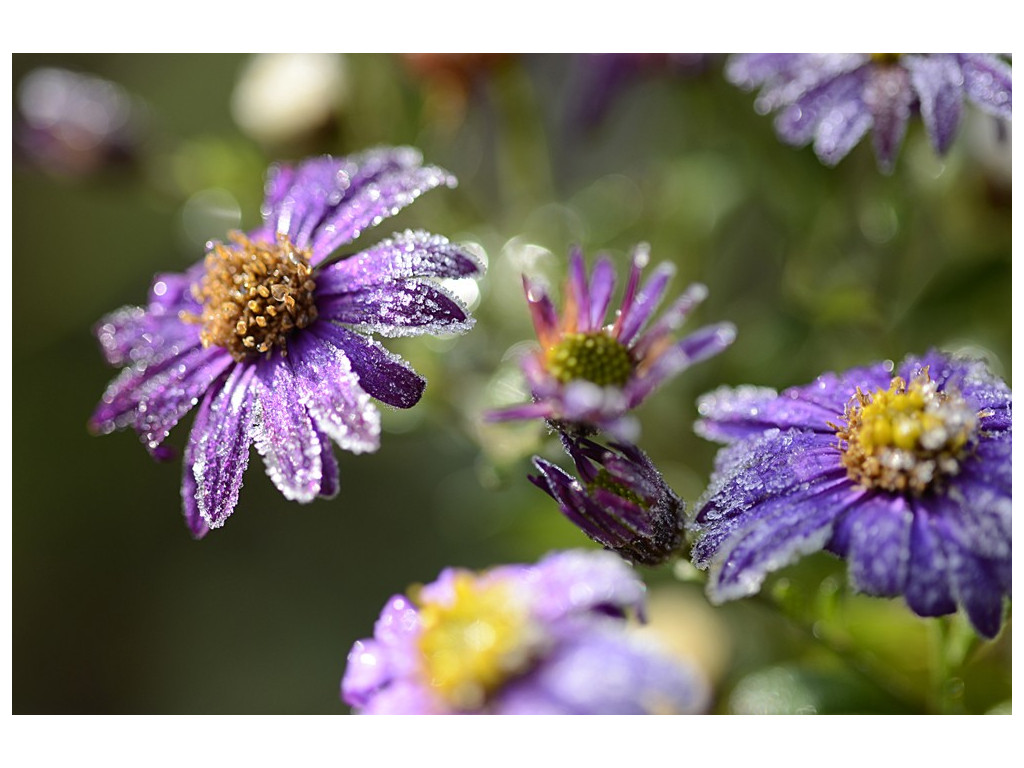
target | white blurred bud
[{"x": 282, "y": 97}]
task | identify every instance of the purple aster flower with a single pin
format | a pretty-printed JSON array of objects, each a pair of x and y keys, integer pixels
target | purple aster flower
[
  {"x": 833, "y": 99},
  {"x": 549, "y": 638},
  {"x": 906, "y": 476},
  {"x": 588, "y": 375},
  {"x": 271, "y": 340},
  {"x": 620, "y": 499}
]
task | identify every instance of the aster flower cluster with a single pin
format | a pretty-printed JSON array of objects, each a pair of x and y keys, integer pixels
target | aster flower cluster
[
  {"x": 903, "y": 471},
  {"x": 834, "y": 99}
]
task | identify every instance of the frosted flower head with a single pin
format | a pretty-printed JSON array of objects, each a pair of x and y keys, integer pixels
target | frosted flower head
[
  {"x": 550, "y": 638},
  {"x": 272, "y": 340},
  {"x": 588, "y": 373},
  {"x": 619, "y": 499},
  {"x": 833, "y": 99},
  {"x": 906, "y": 474}
]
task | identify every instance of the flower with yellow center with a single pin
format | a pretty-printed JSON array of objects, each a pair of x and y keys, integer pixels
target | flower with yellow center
[{"x": 471, "y": 645}]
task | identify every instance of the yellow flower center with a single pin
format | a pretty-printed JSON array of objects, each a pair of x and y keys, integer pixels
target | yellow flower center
[
  {"x": 254, "y": 295},
  {"x": 593, "y": 356},
  {"x": 907, "y": 437},
  {"x": 885, "y": 58},
  {"x": 473, "y": 644}
]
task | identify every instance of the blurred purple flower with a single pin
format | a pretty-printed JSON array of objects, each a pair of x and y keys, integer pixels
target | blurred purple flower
[
  {"x": 272, "y": 341},
  {"x": 549, "y": 638},
  {"x": 620, "y": 500},
  {"x": 588, "y": 376},
  {"x": 601, "y": 77},
  {"x": 73, "y": 124},
  {"x": 908, "y": 477},
  {"x": 833, "y": 99}
]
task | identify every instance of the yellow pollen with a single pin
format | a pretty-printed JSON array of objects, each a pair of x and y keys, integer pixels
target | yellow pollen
[
  {"x": 473, "y": 644},
  {"x": 254, "y": 295},
  {"x": 594, "y": 356},
  {"x": 885, "y": 58},
  {"x": 907, "y": 437},
  {"x": 605, "y": 480}
]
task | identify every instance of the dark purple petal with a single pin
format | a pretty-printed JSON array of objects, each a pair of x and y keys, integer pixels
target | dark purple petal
[
  {"x": 406, "y": 255},
  {"x": 219, "y": 445},
  {"x": 283, "y": 431},
  {"x": 927, "y": 589},
  {"x": 339, "y": 406},
  {"x": 889, "y": 97},
  {"x": 879, "y": 544},
  {"x": 382, "y": 375},
  {"x": 939, "y": 85},
  {"x": 542, "y": 312},
  {"x": 988, "y": 83},
  {"x": 398, "y": 309}
]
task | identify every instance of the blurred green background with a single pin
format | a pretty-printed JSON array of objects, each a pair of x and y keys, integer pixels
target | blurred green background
[{"x": 117, "y": 610}]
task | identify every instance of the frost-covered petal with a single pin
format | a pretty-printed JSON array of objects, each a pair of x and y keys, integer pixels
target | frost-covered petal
[
  {"x": 369, "y": 205},
  {"x": 366, "y": 672},
  {"x": 399, "y": 309},
  {"x": 330, "y": 481},
  {"x": 927, "y": 589},
  {"x": 939, "y": 85},
  {"x": 840, "y": 130},
  {"x": 140, "y": 337},
  {"x": 697, "y": 347},
  {"x": 988, "y": 83},
  {"x": 283, "y": 431},
  {"x": 646, "y": 302},
  {"x": 877, "y": 531},
  {"x": 330, "y": 390},
  {"x": 189, "y": 498},
  {"x": 980, "y": 586},
  {"x": 798, "y": 123},
  {"x": 382, "y": 375},
  {"x": 219, "y": 445},
  {"x": 401, "y": 257}
]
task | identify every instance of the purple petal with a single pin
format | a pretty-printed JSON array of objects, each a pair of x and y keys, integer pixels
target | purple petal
[
  {"x": 578, "y": 298},
  {"x": 140, "y": 337},
  {"x": 980, "y": 586},
  {"x": 798, "y": 123},
  {"x": 889, "y": 96},
  {"x": 596, "y": 669},
  {"x": 671, "y": 319},
  {"x": 406, "y": 255},
  {"x": 219, "y": 445},
  {"x": 542, "y": 312},
  {"x": 330, "y": 390},
  {"x": 988, "y": 83},
  {"x": 839, "y": 131},
  {"x": 602, "y": 284},
  {"x": 366, "y": 672},
  {"x": 283, "y": 432},
  {"x": 125, "y": 403},
  {"x": 371, "y": 204},
  {"x": 583, "y": 582},
  {"x": 646, "y": 303},
  {"x": 164, "y": 401},
  {"x": 730, "y": 414},
  {"x": 398, "y": 309},
  {"x": 382, "y": 374},
  {"x": 927, "y": 589},
  {"x": 189, "y": 498},
  {"x": 878, "y": 532},
  {"x": 641, "y": 255},
  {"x": 939, "y": 85}
]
